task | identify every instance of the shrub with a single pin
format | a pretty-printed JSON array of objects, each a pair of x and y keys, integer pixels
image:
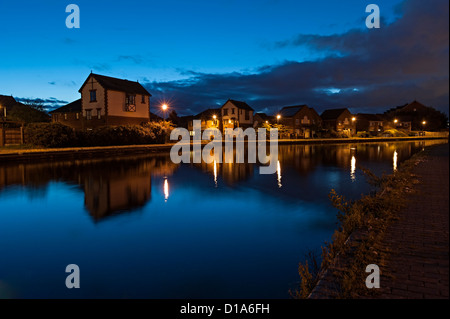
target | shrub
[{"x": 50, "y": 135}]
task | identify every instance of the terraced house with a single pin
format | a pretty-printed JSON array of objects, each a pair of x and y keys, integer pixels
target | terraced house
[
  {"x": 300, "y": 120},
  {"x": 106, "y": 101}
]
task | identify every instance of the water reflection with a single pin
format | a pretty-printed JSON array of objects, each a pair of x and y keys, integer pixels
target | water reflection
[
  {"x": 353, "y": 169},
  {"x": 123, "y": 185},
  {"x": 395, "y": 159},
  {"x": 166, "y": 189},
  {"x": 225, "y": 225},
  {"x": 110, "y": 187},
  {"x": 279, "y": 174}
]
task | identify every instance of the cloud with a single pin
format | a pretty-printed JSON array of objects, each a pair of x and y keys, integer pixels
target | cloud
[
  {"x": 363, "y": 69},
  {"x": 51, "y": 101}
]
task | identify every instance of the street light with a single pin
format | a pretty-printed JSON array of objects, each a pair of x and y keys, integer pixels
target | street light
[
  {"x": 353, "y": 119},
  {"x": 395, "y": 121},
  {"x": 164, "y": 108},
  {"x": 278, "y": 117}
]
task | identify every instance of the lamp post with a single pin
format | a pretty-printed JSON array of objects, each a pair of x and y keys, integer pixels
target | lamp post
[
  {"x": 164, "y": 108},
  {"x": 278, "y": 118},
  {"x": 423, "y": 127}
]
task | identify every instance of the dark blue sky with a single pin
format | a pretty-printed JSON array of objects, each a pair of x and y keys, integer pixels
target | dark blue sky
[{"x": 199, "y": 53}]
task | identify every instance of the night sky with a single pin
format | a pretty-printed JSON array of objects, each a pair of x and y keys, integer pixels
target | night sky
[{"x": 197, "y": 54}]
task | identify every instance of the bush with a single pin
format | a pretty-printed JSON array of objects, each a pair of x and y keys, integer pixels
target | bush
[
  {"x": 363, "y": 134},
  {"x": 58, "y": 135},
  {"x": 117, "y": 135},
  {"x": 50, "y": 135}
]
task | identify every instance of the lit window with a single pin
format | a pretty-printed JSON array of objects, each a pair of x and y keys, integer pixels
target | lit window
[
  {"x": 88, "y": 114},
  {"x": 99, "y": 113},
  {"x": 65, "y": 116}
]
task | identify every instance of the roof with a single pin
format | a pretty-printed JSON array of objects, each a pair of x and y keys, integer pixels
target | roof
[
  {"x": 7, "y": 101},
  {"x": 73, "y": 107},
  {"x": 241, "y": 105},
  {"x": 289, "y": 111},
  {"x": 115, "y": 84},
  {"x": 208, "y": 113},
  {"x": 370, "y": 117},
  {"x": 332, "y": 114}
]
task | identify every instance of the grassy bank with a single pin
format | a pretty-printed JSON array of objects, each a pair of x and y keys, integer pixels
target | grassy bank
[{"x": 355, "y": 244}]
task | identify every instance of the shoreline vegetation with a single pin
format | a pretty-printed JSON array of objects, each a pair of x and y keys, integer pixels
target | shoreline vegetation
[
  {"x": 362, "y": 225},
  {"x": 31, "y": 152}
]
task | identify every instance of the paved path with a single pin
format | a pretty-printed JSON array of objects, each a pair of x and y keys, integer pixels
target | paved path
[{"x": 419, "y": 260}]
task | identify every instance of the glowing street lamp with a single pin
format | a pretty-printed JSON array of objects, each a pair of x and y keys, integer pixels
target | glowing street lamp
[
  {"x": 395, "y": 121},
  {"x": 164, "y": 107},
  {"x": 278, "y": 118},
  {"x": 353, "y": 119}
]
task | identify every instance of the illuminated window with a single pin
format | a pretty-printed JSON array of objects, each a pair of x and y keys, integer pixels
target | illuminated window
[
  {"x": 89, "y": 114},
  {"x": 99, "y": 114}
]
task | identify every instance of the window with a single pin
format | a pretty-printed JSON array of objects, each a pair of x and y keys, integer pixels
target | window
[
  {"x": 247, "y": 115},
  {"x": 232, "y": 111},
  {"x": 297, "y": 121},
  {"x": 65, "y": 116},
  {"x": 130, "y": 99},
  {"x": 99, "y": 114},
  {"x": 130, "y": 103},
  {"x": 143, "y": 99},
  {"x": 225, "y": 112},
  {"x": 241, "y": 112},
  {"x": 78, "y": 116},
  {"x": 89, "y": 114},
  {"x": 93, "y": 95}
]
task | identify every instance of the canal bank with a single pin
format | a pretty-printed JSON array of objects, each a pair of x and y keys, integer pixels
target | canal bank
[
  {"x": 23, "y": 155},
  {"x": 410, "y": 248}
]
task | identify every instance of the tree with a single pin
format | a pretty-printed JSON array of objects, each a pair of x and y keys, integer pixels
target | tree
[{"x": 27, "y": 114}]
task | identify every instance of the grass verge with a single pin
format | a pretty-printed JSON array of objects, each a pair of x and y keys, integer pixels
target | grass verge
[{"x": 356, "y": 242}]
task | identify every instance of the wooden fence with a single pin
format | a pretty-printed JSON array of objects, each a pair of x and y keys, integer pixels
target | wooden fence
[{"x": 10, "y": 135}]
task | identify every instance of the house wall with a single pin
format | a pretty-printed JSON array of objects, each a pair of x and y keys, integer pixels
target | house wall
[
  {"x": 112, "y": 107},
  {"x": 238, "y": 118},
  {"x": 69, "y": 119},
  {"x": 116, "y": 105}
]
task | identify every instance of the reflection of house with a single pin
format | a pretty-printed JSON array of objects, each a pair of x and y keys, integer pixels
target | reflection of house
[
  {"x": 116, "y": 192},
  {"x": 69, "y": 114},
  {"x": 236, "y": 114},
  {"x": 373, "y": 123},
  {"x": 301, "y": 120},
  {"x": 339, "y": 120}
]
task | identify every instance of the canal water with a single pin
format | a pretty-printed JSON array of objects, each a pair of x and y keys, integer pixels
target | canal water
[{"x": 143, "y": 227}]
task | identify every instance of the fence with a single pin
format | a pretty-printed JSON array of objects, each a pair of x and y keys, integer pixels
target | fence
[{"x": 10, "y": 135}]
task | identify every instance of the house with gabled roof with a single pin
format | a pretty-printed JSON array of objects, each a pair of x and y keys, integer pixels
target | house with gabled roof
[
  {"x": 111, "y": 101},
  {"x": 209, "y": 119},
  {"x": 236, "y": 114},
  {"x": 339, "y": 120},
  {"x": 69, "y": 115},
  {"x": 301, "y": 121},
  {"x": 371, "y": 123}
]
